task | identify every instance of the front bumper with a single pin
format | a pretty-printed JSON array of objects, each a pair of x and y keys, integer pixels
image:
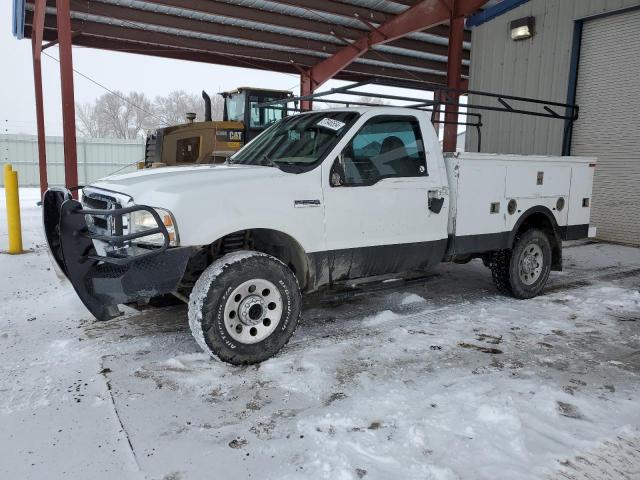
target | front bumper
[{"x": 102, "y": 282}]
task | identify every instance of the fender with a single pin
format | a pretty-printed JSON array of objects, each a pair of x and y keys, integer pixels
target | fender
[
  {"x": 281, "y": 245},
  {"x": 480, "y": 244},
  {"x": 556, "y": 241},
  {"x": 531, "y": 211}
]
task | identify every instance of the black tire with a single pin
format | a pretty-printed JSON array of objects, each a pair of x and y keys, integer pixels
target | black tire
[
  {"x": 523, "y": 271},
  {"x": 212, "y": 302}
]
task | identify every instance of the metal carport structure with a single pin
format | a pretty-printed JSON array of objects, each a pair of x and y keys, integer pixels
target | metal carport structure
[{"x": 417, "y": 41}]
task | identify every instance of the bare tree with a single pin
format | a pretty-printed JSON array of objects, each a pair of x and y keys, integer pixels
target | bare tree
[
  {"x": 119, "y": 115},
  {"x": 116, "y": 115},
  {"x": 88, "y": 124},
  {"x": 320, "y": 105},
  {"x": 172, "y": 108},
  {"x": 217, "y": 107},
  {"x": 140, "y": 114}
]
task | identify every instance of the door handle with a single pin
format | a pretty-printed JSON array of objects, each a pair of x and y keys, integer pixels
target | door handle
[{"x": 435, "y": 201}]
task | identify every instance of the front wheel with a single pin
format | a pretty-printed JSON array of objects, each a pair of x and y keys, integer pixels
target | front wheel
[
  {"x": 244, "y": 307},
  {"x": 523, "y": 271}
]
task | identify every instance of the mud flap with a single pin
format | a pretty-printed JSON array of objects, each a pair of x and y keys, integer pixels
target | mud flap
[{"x": 101, "y": 282}]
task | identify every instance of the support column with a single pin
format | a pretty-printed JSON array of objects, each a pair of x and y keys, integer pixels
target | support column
[
  {"x": 42, "y": 154},
  {"x": 68, "y": 102},
  {"x": 454, "y": 68},
  {"x": 306, "y": 88},
  {"x": 36, "y": 50}
]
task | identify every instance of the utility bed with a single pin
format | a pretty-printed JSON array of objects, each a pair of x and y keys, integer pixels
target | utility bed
[{"x": 490, "y": 192}]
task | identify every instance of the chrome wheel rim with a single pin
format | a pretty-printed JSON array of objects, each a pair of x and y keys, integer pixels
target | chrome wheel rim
[
  {"x": 530, "y": 264},
  {"x": 253, "y": 311}
]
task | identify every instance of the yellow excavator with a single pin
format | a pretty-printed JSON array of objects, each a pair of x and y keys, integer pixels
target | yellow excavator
[{"x": 214, "y": 141}]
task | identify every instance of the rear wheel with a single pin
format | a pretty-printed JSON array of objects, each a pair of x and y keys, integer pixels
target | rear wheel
[
  {"x": 244, "y": 307},
  {"x": 523, "y": 271}
]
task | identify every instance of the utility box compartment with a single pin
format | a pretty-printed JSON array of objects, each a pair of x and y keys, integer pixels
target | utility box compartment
[
  {"x": 535, "y": 181},
  {"x": 489, "y": 192}
]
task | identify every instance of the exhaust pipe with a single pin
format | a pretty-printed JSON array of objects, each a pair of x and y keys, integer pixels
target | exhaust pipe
[{"x": 207, "y": 106}]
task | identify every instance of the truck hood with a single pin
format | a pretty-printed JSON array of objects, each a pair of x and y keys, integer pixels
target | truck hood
[
  {"x": 211, "y": 201},
  {"x": 155, "y": 186}
]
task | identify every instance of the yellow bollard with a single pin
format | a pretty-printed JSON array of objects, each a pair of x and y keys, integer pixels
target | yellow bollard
[{"x": 13, "y": 209}]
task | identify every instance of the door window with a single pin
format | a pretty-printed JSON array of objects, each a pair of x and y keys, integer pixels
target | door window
[{"x": 386, "y": 147}]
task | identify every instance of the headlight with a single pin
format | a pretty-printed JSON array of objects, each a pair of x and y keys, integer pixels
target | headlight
[{"x": 140, "y": 220}]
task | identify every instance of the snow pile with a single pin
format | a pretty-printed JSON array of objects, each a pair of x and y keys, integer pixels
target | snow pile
[
  {"x": 442, "y": 380},
  {"x": 497, "y": 389}
]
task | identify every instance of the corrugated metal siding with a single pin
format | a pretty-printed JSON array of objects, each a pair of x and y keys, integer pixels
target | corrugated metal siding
[
  {"x": 97, "y": 158},
  {"x": 609, "y": 123},
  {"x": 538, "y": 67}
]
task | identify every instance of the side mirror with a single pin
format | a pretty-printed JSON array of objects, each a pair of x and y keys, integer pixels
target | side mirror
[{"x": 336, "y": 176}]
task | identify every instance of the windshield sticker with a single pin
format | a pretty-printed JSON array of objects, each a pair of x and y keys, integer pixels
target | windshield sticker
[{"x": 331, "y": 124}]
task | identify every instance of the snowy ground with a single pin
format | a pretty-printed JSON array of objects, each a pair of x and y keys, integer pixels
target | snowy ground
[{"x": 440, "y": 379}]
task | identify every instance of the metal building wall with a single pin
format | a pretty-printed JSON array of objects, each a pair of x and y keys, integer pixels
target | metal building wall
[
  {"x": 97, "y": 158},
  {"x": 537, "y": 67},
  {"x": 609, "y": 124}
]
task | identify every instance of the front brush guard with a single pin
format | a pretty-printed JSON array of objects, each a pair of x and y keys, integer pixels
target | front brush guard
[{"x": 103, "y": 282}]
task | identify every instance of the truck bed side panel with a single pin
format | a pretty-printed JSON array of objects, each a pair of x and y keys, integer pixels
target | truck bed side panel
[
  {"x": 480, "y": 186},
  {"x": 537, "y": 181},
  {"x": 484, "y": 185},
  {"x": 579, "y": 208}
]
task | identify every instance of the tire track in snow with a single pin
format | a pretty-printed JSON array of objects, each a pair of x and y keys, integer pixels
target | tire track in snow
[
  {"x": 617, "y": 459},
  {"x": 348, "y": 325}
]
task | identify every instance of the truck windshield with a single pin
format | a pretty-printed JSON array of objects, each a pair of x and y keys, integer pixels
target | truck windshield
[{"x": 297, "y": 143}]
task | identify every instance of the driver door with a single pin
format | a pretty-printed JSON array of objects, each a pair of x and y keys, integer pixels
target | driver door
[{"x": 376, "y": 197}]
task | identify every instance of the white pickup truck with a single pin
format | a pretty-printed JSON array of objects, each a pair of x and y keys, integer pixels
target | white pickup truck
[{"x": 318, "y": 199}]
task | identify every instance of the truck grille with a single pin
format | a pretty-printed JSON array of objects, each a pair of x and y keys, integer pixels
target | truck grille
[
  {"x": 96, "y": 203},
  {"x": 153, "y": 148},
  {"x": 94, "y": 200}
]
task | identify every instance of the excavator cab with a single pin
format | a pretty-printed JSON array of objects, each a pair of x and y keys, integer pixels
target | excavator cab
[
  {"x": 210, "y": 141},
  {"x": 240, "y": 106}
]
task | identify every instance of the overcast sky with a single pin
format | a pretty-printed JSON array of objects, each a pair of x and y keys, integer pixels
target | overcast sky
[{"x": 117, "y": 71}]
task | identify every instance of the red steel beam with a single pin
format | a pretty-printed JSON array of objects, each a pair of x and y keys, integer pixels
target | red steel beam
[
  {"x": 103, "y": 35},
  {"x": 316, "y": 8},
  {"x": 306, "y": 88},
  {"x": 454, "y": 69},
  {"x": 188, "y": 24},
  {"x": 63, "y": 22},
  {"x": 314, "y": 23},
  {"x": 36, "y": 46},
  {"x": 298, "y": 23},
  {"x": 359, "y": 72},
  {"x": 422, "y": 15}
]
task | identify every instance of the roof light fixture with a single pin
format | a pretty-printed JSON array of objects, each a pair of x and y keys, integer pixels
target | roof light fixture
[{"x": 523, "y": 28}]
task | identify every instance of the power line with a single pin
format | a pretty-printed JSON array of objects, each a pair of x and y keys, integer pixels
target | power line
[{"x": 124, "y": 99}]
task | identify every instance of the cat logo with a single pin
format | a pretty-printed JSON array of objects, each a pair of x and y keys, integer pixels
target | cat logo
[{"x": 235, "y": 136}]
